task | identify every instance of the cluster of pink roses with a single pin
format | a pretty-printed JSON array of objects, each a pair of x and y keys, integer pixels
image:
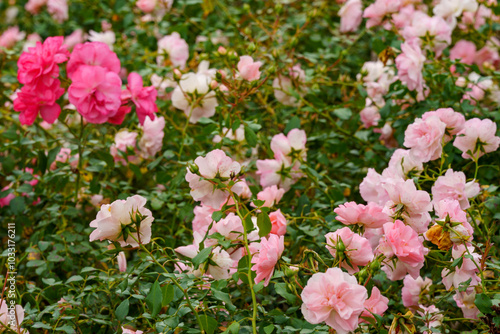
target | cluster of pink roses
[{"x": 95, "y": 90}]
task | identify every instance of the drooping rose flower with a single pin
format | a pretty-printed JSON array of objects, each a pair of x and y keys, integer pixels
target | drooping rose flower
[
  {"x": 278, "y": 222},
  {"x": 270, "y": 252}
]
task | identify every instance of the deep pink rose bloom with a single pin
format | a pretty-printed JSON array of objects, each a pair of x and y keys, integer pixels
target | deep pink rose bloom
[
  {"x": 371, "y": 215},
  {"x": 376, "y": 304},
  {"x": 94, "y": 54},
  {"x": 402, "y": 241},
  {"x": 267, "y": 258},
  {"x": 412, "y": 287},
  {"x": 95, "y": 92},
  {"x": 271, "y": 195},
  {"x": 357, "y": 249},
  {"x": 144, "y": 98},
  {"x": 4, "y": 201},
  {"x": 215, "y": 164},
  {"x": 351, "y": 15},
  {"x": 279, "y": 223},
  {"x": 425, "y": 137},
  {"x": 29, "y": 102},
  {"x": 475, "y": 131},
  {"x": 465, "y": 51},
  {"x": 452, "y": 185},
  {"x": 410, "y": 64},
  {"x": 334, "y": 297},
  {"x": 249, "y": 70}
]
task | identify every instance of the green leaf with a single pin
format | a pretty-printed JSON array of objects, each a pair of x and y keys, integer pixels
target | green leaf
[
  {"x": 42, "y": 162},
  {"x": 17, "y": 205},
  {"x": 209, "y": 324},
  {"x": 483, "y": 303},
  {"x": 269, "y": 329},
  {"x": 293, "y": 123},
  {"x": 343, "y": 113},
  {"x": 264, "y": 224},
  {"x": 201, "y": 257},
  {"x": 217, "y": 215},
  {"x": 75, "y": 278},
  {"x": 52, "y": 155},
  {"x": 168, "y": 293},
  {"x": 122, "y": 310},
  {"x": 234, "y": 328},
  {"x": 250, "y": 136},
  {"x": 282, "y": 291},
  {"x": 154, "y": 299}
]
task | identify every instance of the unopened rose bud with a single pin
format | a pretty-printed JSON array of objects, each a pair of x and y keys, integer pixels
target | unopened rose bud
[
  {"x": 271, "y": 69},
  {"x": 177, "y": 74},
  {"x": 251, "y": 47},
  {"x": 246, "y": 8},
  {"x": 278, "y": 8},
  {"x": 222, "y": 50},
  {"x": 221, "y": 74},
  {"x": 194, "y": 169},
  {"x": 214, "y": 84},
  {"x": 461, "y": 82}
]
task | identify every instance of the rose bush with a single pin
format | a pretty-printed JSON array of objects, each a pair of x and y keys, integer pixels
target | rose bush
[{"x": 207, "y": 166}]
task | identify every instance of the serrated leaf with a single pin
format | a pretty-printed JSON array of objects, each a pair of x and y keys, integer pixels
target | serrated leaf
[
  {"x": 264, "y": 224},
  {"x": 154, "y": 299},
  {"x": 122, "y": 310}
]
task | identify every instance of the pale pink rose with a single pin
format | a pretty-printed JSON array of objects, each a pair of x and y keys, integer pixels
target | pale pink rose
[
  {"x": 62, "y": 157},
  {"x": 378, "y": 10},
  {"x": 112, "y": 218},
  {"x": 452, "y": 9},
  {"x": 357, "y": 249},
  {"x": 396, "y": 269},
  {"x": 224, "y": 264},
  {"x": 402, "y": 163},
  {"x": 10, "y": 37},
  {"x": 215, "y": 164},
  {"x": 94, "y": 54},
  {"x": 5, "y": 201},
  {"x": 130, "y": 331},
  {"x": 248, "y": 69},
  {"x": 351, "y": 15},
  {"x": 486, "y": 57},
  {"x": 403, "y": 17},
  {"x": 371, "y": 188},
  {"x": 270, "y": 172},
  {"x": 147, "y": 6},
  {"x": 125, "y": 139},
  {"x": 144, "y": 98},
  {"x": 370, "y": 116},
  {"x": 13, "y": 323},
  {"x": 58, "y": 9},
  {"x": 450, "y": 208},
  {"x": 34, "y": 6},
  {"x": 431, "y": 317},
  {"x": 74, "y": 39},
  {"x": 466, "y": 301},
  {"x": 176, "y": 48},
  {"x": 202, "y": 218},
  {"x": 270, "y": 252},
  {"x": 424, "y": 26},
  {"x": 152, "y": 138},
  {"x": 410, "y": 64},
  {"x": 271, "y": 195},
  {"x": 425, "y": 137},
  {"x": 466, "y": 271},
  {"x": 452, "y": 185},
  {"x": 229, "y": 227},
  {"x": 387, "y": 135},
  {"x": 284, "y": 85},
  {"x": 122, "y": 262},
  {"x": 279, "y": 223},
  {"x": 238, "y": 135},
  {"x": 416, "y": 204},
  {"x": 412, "y": 288},
  {"x": 293, "y": 143},
  {"x": 465, "y": 51},
  {"x": 194, "y": 96},
  {"x": 402, "y": 242},
  {"x": 454, "y": 121},
  {"x": 105, "y": 37},
  {"x": 334, "y": 297},
  {"x": 371, "y": 215},
  {"x": 95, "y": 92},
  {"x": 376, "y": 304},
  {"x": 477, "y": 131},
  {"x": 373, "y": 235}
]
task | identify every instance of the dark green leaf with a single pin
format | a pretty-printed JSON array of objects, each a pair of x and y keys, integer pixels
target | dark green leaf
[
  {"x": 154, "y": 299},
  {"x": 264, "y": 224},
  {"x": 122, "y": 310}
]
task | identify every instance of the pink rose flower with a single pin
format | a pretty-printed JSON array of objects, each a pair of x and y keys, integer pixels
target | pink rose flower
[
  {"x": 279, "y": 173},
  {"x": 373, "y": 235},
  {"x": 95, "y": 92},
  {"x": 10, "y": 37},
  {"x": 248, "y": 69},
  {"x": 216, "y": 164},
  {"x": 435, "y": 27},
  {"x": 357, "y": 250},
  {"x": 125, "y": 139},
  {"x": 371, "y": 188},
  {"x": 371, "y": 215},
  {"x": 230, "y": 227},
  {"x": 467, "y": 271},
  {"x": 130, "y": 331},
  {"x": 370, "y": 116},
  {"x": 465, "y": 51},
  {"x": 402, "y": 242},
  {"x": 477, "y": 138},
  {"x": 58, "y": 9},
  {"x": 31, "y": 101},
  {"x": 5, "y": 200},
  {"x": 94, "y": 54},
  {"x": 454, "y": 121},
  {"x": 279, "y": 223},
  {"x": 75, "y": 38},
  {"x": 122, "y": 262},
  {"x": 267, "y": 258},
  {"x": 424, "y": 138},
  {"x": 452, "y": 185},
  {"x": 62, "y": 157},
  {"x": 431, "y": 317},
  {"x": 144, "y": 98},
  {"x": 376, "y": 304},
  {"x": 6, "y": 311},
  {"x": 378, "y": 10},
  {"x": 176, "y": 48},
  {"x": 152, "y": 138},
  {"x": 412, "y": 288},
  {"x": 486, "y": 57},
  {"x": 270, "y": 195},
  {"x": 466, "y": 301},
  {"x": 112, "y": 218},
  {"x": 410, "y": 64},
  {"x": 404, "y": 16},
  {"x": 34, "y": 6},
  {"x": 147, "y": 6},
  {"x": 402, "y": 162},
  {"x": 202, "y": 218},
  {"x": 283, "y": 85},
  {"x": 351, "y": 15},
  {"x": 291, "y": 146},
  {"x": 334, "y": 297}
]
